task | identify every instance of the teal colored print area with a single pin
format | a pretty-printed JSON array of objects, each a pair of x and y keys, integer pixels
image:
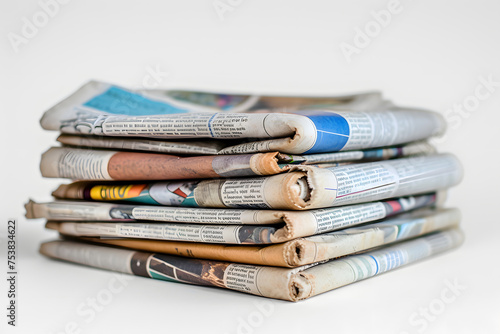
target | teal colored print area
[
  {"x": 119, "y": 101},
  {"x": 161, "y": 277},
  {"x": 143, "y": 199},
  {"x": 189, "y": 201}
]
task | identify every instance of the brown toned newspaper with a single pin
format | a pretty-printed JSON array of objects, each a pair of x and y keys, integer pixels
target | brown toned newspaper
[
  {"x": 92, "y": 164},
  {"x": 273, "y": 282},
  {"x": 292, "y": 253}
]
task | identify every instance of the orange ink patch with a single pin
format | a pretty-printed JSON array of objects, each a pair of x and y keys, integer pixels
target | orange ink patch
[{"x": 111, "y": 193}]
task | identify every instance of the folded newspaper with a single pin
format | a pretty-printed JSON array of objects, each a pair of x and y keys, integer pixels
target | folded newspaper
[
  {"x": 107, "y": 110},
  {"x": 305, "y": 187},
  {"x": 294, "y": 253},
  {"x": 97, "y": 164},
  {"x": 273, "y": 282},
  {"x": 222, "y": 225},
  {"x": 214, "y": 147}
]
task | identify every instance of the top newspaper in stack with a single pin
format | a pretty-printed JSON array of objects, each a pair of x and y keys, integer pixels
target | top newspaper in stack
[{"x": 334, "y": 125}]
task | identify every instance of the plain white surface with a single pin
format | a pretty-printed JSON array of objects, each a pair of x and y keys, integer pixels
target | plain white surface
[{"x": 432, "y": 54}]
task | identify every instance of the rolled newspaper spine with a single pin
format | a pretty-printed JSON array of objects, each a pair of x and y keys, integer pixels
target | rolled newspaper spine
[
  {"x": 310, "y": 187},
  {"x": 82, "y": 164}
]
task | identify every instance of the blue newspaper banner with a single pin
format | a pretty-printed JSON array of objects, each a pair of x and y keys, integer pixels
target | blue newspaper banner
[
  {"x": 120, "y": 101},
  {"x": 332, "y": 132}
]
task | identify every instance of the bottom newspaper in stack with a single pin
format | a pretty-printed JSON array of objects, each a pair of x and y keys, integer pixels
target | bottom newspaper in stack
[
  {"x": 293, "y": 270},
  {"x": 274, "y": 282}
]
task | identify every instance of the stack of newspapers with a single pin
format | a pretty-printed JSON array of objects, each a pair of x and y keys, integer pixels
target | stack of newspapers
[{"x": 278, "y": 196}]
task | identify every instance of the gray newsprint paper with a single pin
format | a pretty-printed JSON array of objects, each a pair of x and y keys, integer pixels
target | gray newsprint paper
[{"x": 217, "y": 225}]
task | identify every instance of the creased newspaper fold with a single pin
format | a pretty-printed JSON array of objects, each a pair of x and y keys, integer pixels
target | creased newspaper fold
[
  {"x": 113, "y": 111},
  {"x": 222, "y": 225},
  {"x": 305, "y": 187},
  {"x": 188, "y": 147},
  {"x": 214, "y": 147},
  {"x": 293, "y": 253},
  {"x": 274, "y": 282}
]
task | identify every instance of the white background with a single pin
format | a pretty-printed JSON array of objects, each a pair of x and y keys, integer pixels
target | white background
[{"x": 432, "y": 54}]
